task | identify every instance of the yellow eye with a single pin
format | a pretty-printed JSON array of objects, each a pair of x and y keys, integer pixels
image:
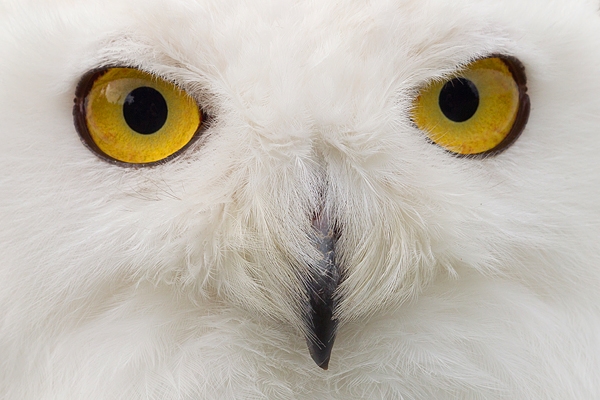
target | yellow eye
[
  {"x": 129, "y": 116},
  {"x": 479, "y": 111}
]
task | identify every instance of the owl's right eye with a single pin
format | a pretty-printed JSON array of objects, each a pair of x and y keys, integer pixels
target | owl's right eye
[
  {"x": 479, "y": 111},
  {"x": 131, "y": 117}
]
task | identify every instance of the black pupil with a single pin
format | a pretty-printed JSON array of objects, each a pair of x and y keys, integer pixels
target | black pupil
[
  {"x": 145, "y": 110},
  {"x": 459, "y": 99}
]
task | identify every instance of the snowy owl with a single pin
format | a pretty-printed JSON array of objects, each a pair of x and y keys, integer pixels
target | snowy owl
[{"x": 291, "y": 199}]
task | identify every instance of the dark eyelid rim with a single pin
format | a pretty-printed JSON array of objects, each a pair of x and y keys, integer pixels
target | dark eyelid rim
[{"x": 79, "y": 118}]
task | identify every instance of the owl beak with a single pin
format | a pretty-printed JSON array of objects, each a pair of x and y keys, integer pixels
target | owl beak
[{"x": 321, "y": 284}]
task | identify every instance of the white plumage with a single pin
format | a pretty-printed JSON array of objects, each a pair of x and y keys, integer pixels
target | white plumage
[{"x": 469, "y": 278}]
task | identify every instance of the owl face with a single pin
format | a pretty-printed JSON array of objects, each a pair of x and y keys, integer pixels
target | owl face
[{"x": 323, "y": 185}]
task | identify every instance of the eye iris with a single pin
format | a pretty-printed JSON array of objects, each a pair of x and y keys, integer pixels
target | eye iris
[
  {"x": 459, "y": 99},
  {"x": 145, "y": 110},
  {"x": 131, "y": 117},
  {"x": 479, "y": 112}
]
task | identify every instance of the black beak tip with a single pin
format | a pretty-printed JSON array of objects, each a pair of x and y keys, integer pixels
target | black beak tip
[
  {"x": 320, "y": 354},
  {"x": 325, "y": 365},
  {"x": 321, "y": 284},
  {"x": 320, "y": 357}
]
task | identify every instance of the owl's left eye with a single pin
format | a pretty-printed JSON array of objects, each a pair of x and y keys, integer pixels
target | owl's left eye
[
  {"x": 131, "y": 117},
  {"x": 479, "y": 111}
]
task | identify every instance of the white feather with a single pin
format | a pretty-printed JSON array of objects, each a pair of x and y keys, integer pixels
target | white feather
[{"x": 465, "y": 278}]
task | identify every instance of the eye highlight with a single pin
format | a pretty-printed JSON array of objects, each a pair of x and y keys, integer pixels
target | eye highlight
[
  {"x": 481, "y": 110},
  {"x": 131, "y": 117}
]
